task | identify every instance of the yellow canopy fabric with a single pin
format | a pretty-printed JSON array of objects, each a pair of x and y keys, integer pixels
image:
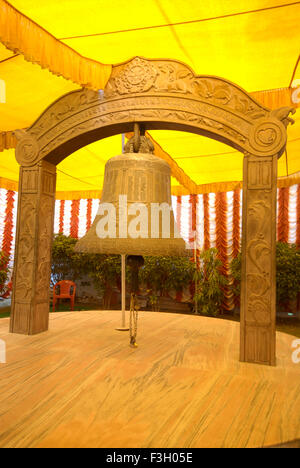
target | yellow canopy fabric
[
  {"x": 254, "y": 43},
  {"x": 251, "y": 42},
  {"x": 211, "y": 165},
  {"x": 21, "y": 35}
]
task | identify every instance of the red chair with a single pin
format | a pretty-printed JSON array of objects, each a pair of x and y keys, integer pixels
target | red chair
[
  {"x": 67, "y": 290},
  {"x": 7, "y": 293}
]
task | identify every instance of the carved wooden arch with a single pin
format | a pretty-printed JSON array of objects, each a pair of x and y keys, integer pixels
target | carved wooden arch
[{"x": 162, "y": 94}]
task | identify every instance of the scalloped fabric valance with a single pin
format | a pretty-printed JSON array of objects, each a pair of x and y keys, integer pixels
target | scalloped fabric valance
[{"x": 23, "y": 36}]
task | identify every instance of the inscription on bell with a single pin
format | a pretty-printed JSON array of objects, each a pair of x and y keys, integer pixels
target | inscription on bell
[{"x": 135, "y": 214}]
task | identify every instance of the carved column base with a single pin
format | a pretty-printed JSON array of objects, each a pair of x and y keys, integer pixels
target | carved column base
[
  {"x": 32, "y": 266},
  {"x": 258, "y": 288}
]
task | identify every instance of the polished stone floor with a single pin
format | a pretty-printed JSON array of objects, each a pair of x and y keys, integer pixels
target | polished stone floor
[{"x": 81, "y": 385}]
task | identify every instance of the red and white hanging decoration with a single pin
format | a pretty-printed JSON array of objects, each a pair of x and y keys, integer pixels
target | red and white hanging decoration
[{"x": 216, "y": 218}]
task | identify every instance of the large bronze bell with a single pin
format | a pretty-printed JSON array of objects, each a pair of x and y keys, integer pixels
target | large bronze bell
[{"x": 135, "y": 215}]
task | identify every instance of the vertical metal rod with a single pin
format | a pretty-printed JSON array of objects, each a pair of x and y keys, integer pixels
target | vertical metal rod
[
  {"x": 123, "y": 265},
  {"x": 123, "y": 275},
  {"x": 196, "y": 280},
  {"x": 123, "y": 290},
  {"x": 137, "y": 137},
  {"x": 123, "y": 294},
  {"x": 195, "y": 253}
]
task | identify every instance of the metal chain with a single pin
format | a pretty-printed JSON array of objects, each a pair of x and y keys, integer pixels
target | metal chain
[{"x": 133, "y": 320}]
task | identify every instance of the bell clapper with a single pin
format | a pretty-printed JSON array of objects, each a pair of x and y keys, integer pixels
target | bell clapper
[
  {"x": 123, "y": 326},
  {"x": 134, "y": 262},
  {"x": 133, "y": 320}
]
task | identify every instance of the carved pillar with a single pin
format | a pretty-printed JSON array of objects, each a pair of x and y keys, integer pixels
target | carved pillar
[
  {"x": 31, "y": 282},
  {"x": 258, "y": 294}
]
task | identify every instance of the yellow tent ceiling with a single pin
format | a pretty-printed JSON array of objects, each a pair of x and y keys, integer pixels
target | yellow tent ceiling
[{"x": 254, "y": 43}]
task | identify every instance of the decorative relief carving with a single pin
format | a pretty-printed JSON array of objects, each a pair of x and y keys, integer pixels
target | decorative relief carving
[
  {"x": 62, "y": 108},
  {"x": 29, "y": 181},
  {"x": 44, "y": 247},
  {"x": 181, "y": 117},
  {"x": 282, "y": 114},
  {"x": 144, "y": 107},
  {"x": 27, "y": 149},
  {"x": 259, "y": 174},
  {"x": 268, "y": 136},
  {"x": 20, "y": 320},
  {"x": 145, "y": 145},
  {"x": 25, "y": 262},
  {"x": 259, "y": 309},
  {"x": 258, "y": 250},
  {"x": 48, "y": 183},
  {"x": 141, "y": 76},
  {"x": 258, "y": 345},
  {"x": 258, "y": 254},
  {"x": 35, "y": 227},
  {"x": 137, "y": 77},
  {"x": 148, "y": 88}
]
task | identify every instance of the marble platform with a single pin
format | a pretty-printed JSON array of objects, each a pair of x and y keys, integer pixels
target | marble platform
[{"x": 81, "y": 385}]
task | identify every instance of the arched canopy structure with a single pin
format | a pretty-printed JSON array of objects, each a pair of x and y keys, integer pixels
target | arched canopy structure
[{"x": 160, "y": 94}]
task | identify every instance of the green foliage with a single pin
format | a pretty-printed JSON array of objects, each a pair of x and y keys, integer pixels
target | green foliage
[
  {"x": 287, "y": 273},
  {"x": 67, "y": 264},
  {"x": 210, "y": 282},
  {"x": 3, "y": 271},
  {"x": 159, "y": 274},
  {"x": 162, "y": 274},
  {"x": 154, "y": 301},
  {"x": 235, "y": 268},
  {"x": 104, "y": 270},
  {"x": 181, "y": 272}
]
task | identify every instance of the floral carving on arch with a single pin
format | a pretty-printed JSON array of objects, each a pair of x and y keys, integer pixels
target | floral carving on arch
[{"x": 163, "y": 94}]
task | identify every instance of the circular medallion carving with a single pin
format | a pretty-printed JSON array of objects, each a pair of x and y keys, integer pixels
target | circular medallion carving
[
  {"x": 137, "y": 77},
  {"x": 268, "y": 136},
  {"x": 27, "y": 151}
]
